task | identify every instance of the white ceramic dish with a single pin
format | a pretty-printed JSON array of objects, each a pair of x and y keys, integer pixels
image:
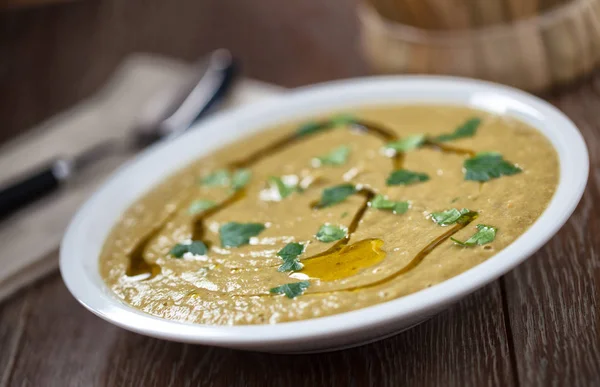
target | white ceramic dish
[{"x": 85, "y": 236}]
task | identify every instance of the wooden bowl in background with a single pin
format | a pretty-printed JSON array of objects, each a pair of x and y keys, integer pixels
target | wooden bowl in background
[{"x": 532, "y": 51}]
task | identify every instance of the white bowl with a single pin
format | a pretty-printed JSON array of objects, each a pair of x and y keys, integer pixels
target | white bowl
[{"x": 85, "y": 236}]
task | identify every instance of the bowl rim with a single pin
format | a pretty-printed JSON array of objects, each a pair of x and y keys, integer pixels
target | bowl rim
[{"x": 562, "y": 133}]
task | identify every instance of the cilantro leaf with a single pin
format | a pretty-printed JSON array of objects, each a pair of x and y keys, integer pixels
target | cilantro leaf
[
  {"x": 292, "y": 290},
  {"x": 196, "y": 248},
  {"x": 335, "y": 195},
  {"x": 447, "y": 217},
  {"x": 309, "y": 128},
  {"x": 485, "y": 234},
  {"x": 178, "y": 250},
  {"x": 406, "y": 144},
  {"x": 342, "y": 119},
  {"x": 224, "y": 178},
  {"x": 291, "y": 250},
  {"x": 240, "y": 178},
  {"x": 290, "y": 254},
  {"x": 330, "y": 233},
  {"x": 467, "y": 129},
  {"x": 405, "y": 177},
  {"x": 488, "y": 165},
  {"x": 452, "y": 216},
  {"x": 312, "y": 127},
  {"x": 219, "y": 178},
  {"x": 381, "y": 203},
  {"x": 338, "y": 156},
  {"x": 283, "y": 189},
  {"x": 234, "y": 234},
  {"x": 200, "y": 205}
]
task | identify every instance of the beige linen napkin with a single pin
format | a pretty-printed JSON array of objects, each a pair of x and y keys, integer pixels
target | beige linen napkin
[{"x": 30, "y": 238}]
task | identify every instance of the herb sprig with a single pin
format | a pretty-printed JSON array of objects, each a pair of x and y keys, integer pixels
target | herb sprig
[
  {"x": 485, "y": 234},
  {"x": 330, "y": 233},
  {"x": 336, "y": 194},
  {"x": 195, "y": 248},
  {"x": 200, "y": 205},
  {"x": 283, "y": 189},
  {"x": 467, "y": 129},
  {"x": 485, "y": 166},
  {"x": 223, "y": 178},
  {"x": 381, "y": 203},
  {"x": 336, "y": 157},
  {"x": 291, "y": 290},
  {"x": 452, "y": 216},
  {"x": 405, "y": 144},
  {"x": 312, "y": 127},
  {"x": 290, "y": 254},
  {"x": 235, "y": 234},
  {"x": 406, "y": 177}
]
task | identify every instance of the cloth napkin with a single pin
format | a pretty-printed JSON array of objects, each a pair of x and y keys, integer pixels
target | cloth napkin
[{"x": 30, "y": 238}]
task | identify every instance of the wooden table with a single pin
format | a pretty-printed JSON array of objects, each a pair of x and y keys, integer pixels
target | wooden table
[{"x": 537, "y": 326}]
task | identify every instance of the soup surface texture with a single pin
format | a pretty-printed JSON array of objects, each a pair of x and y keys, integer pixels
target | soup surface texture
[{"x": 330, "y": 215}]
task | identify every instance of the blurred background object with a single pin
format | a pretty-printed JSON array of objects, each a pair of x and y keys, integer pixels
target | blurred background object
[
  {"x": 56, "y": 53},
  {"x": 53, "y": 56},
  {"x": 530, "y": 44},
  {"x": 461, "y": 14}
]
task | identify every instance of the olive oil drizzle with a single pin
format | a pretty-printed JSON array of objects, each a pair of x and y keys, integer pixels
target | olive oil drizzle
[
  {"x": 368, "y": 195},
  {"x": 138, "y": 266},
  {"x": 417, "y": 259},
  {"x": 385, "y": 135},
  {"x": 198, "y": 228},
  {"x": 137, "y": 263},
  {"x": 447, "y": 148}
]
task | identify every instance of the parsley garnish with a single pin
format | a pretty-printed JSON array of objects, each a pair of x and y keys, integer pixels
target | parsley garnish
[
  {"x": 405, "y": 177},
  {"x": 338, "y": 156},
  {"x": 342, "y": 119},
  {"x": 330, "y": 233},
  {"x": 381, "y": 203},
  {"x": 290, "y": 254},
  {"x": 406, "y": 144},
  {"x": 200, "y": 205},
  {"x": 488, "y": 165},
  {"x": 313, "y": 127},
  {"x": 218, "y": 178},
  {"x": 467, "y": 129},
  {"x": 283, "y": 189},
  {"x": 234, "y": 234},
  {"x": 196, "y": 248},
  {"x": 223, "y": 178},
  {"x": 452, "y": 216},
  {"x": 335, "y": 195},
  {"x": 485, "y": 234},
  {"x": 292, "y": 290},
  {"x": 240, "y": 178}
]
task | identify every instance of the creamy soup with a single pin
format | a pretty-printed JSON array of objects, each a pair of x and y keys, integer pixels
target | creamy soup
[{"x": 329, "y": 215}]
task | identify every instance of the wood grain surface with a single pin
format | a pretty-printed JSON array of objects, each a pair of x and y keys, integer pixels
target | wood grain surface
[{"x": 537, "y": 326}]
